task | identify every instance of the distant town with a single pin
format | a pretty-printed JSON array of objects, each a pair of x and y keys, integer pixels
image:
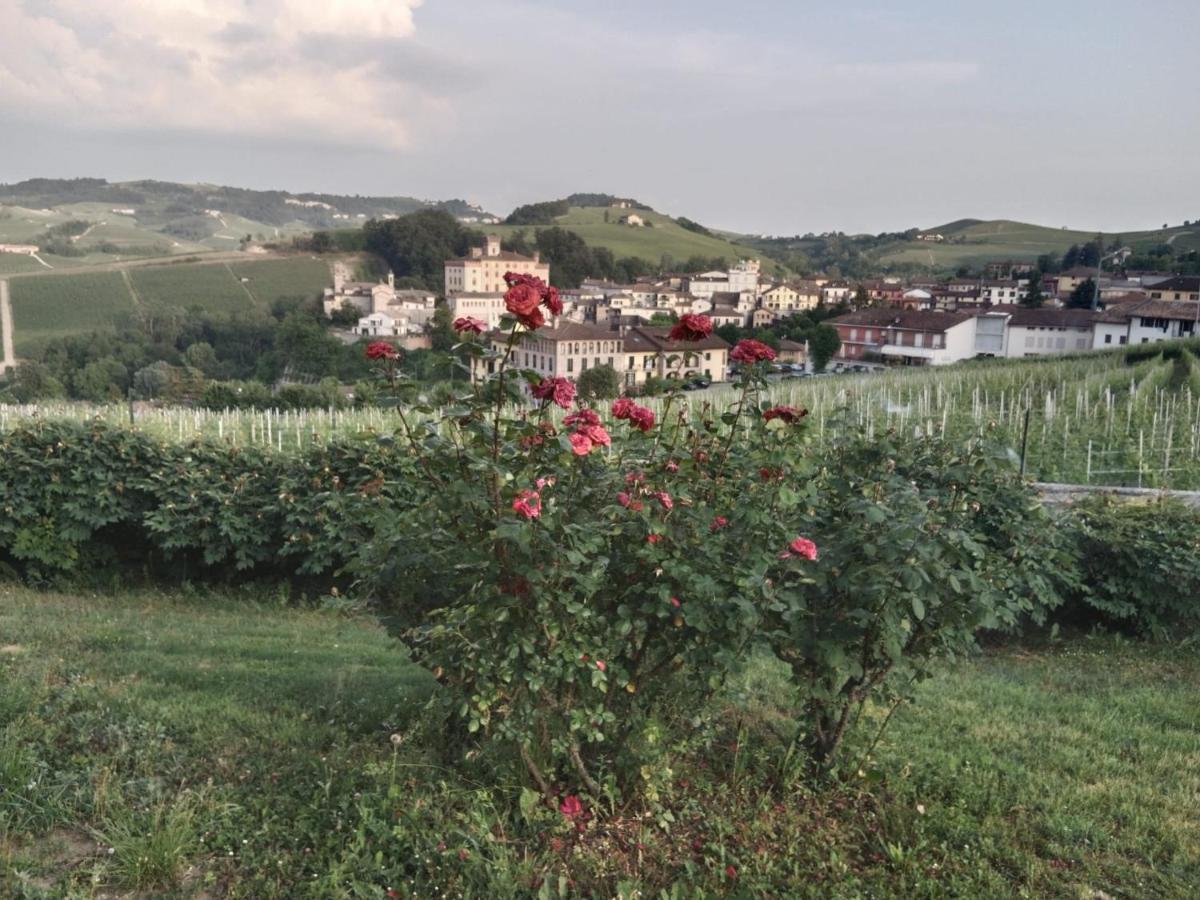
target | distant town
[{"x": 1011, "y": 311}]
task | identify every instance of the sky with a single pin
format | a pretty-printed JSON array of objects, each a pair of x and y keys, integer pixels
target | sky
[{"x": 760, "y": 116}]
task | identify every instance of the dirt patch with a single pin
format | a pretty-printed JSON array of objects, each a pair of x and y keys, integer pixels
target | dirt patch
[
  {"x": 12, "y": 649},
  {"x": 59, "y": 852}
]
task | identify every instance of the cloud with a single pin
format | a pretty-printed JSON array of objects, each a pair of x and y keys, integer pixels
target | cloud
[{"x": 253, "y": 67}]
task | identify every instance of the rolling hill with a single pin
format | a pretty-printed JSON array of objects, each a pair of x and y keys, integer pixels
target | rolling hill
[
  {"x": 141, "y": 219},
  {"x": 663, "y": 236},
  {"x": 972, "y": 242}
]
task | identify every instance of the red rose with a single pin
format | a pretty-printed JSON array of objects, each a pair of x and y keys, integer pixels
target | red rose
[
  {"x": 382, "y": 350},
  {"x": 751, "y": 351},
  {"x": 469, "y": 323},
  {"x": 581, "y": 444},
  {"x": 522, "y": 299},
  {"x": 600, "y": 664},
  {"x": 691, "y": 327},
  {"x": 623, "y": 499},
  {"x": 534, "y": 320},
  {"x": 514, "y": 278},
  {"x": 789, "y": 414},
  {"x": 528, "y": 504},
  {"x": 553, "y": 302},
  {"x": 642, "y": 418},
  {"x": 653, "y": 538},
  {"x": 582, "y": 417},
  {"x": 675, "y": 602},
  {"x": 718, "y": 523},
  {"x": 557, "y": 389},
  {"x": 622, "y": 408},
  {"x": 731, "y": 873},
  {"x": 571, "y": 807},
  {"x": 665, "y": 499}
]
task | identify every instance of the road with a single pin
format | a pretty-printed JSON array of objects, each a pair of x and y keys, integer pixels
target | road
[{"x": 6, "y": 326}]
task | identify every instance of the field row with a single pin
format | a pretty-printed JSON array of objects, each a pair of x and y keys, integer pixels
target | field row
[
  {"x": 1090, "y": 420},
  {"x": 49, "y": 307}
]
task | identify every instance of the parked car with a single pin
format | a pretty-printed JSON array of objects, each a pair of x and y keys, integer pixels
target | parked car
[{"x": 697, "y": 384}]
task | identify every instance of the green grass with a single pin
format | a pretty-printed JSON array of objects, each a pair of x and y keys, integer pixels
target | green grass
[
  {"x": 666, "y": 237},
  {"x": 284, "y": 279},
  {"x": 204, "y": 745},
  {"x": 46, "y": 308},
  {"x": 210, "y": 287}
]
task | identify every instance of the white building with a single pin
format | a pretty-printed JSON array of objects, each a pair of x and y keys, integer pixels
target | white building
[
  {"x": 1047, "y": 332},
  {"x": 483, "y": 271}
]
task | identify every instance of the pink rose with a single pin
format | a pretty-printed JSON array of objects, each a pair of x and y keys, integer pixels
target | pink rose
[
  {"x": 469, "y": 324},
  {"x": 581, "y": 445},
  {"x": 718, "y": 523},
  {"x": 600, "y": 664},
  {"x": 528, "y": 504},
  {"x": 665, "y": 499},
  {"x": 557, "y": 389},
  {"x": 750, "y": 351},
  {"x": 571, "y": 807},
  {"x": 623, "y": 407},
  {"x": 642, "y": 418},
  {"x": 582, "y": 417},
  {"x": 802, "y": 547}
]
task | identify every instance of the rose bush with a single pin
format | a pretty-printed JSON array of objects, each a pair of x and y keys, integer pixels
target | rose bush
[{"x": 563, "y": 578}]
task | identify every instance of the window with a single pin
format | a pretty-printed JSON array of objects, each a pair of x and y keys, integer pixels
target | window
[
  {"x": 1124, "y": 339},
  {"x": 1029, "y": 340},
  {"x": 570, "y": 364},
  {"x": 583, "y": 364},
  {"x": 854, "y": 334},
  {"x": 1108, "y": 339},
  {"x": 919, "y": 340}
]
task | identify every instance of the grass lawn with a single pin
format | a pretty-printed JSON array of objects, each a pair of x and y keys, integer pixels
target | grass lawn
[{"x": 206, "y": 746}]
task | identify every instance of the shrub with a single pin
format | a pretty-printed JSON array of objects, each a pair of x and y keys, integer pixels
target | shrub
[
  {"x": 1140, "y": 564},
  {"x": 922, "y": 546}
]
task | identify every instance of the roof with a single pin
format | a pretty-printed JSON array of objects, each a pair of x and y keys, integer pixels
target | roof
[
  {"x": 1182, "y": 310},
  {"x": 1179, "y": 283},
  {"x": 655, "y": 339},
  {"x": 908, "y": 320},
  {"x": 788, "y": 344},
  {"x": 1059, "y": 318},
  {"x": 1078, "y": 272},
  {"x": 562, "y": 330}
]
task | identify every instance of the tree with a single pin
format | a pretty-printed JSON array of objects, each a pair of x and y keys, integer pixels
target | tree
[
  {"x": 1082, "y": 296},
  {"x": 599, "y": 383},
  {"x": 33, "y": 381},
  {"x": 419, "y": 244},
  {"x": 442, "y": 336},
  {"x": 861, "y": 298},
  {"x": 823, "y": 342},
  {"x": 1034, "y": 299},
  {"x": 570, "y": 258},
  {"x": 346, "y": 315}
]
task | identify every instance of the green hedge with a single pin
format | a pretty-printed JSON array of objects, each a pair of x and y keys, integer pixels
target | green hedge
[{"x": 91, "y": 501}]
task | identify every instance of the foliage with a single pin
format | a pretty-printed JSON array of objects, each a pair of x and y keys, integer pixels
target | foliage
[
  {"x": 599, "y": 383},
  {"x": 923, "y": 545},
  {"x": 1034, "y": 298},
  {"x": 418, "y": 245},
  {"x": 693, "y": 226},
  {"x": 1139, "y": 564},
  {"x": 538, "y": 213},
  {"x": 80, "y": 495},
  {"x": 1083, "y": 295},
  {"x": 823, "y": 343}
]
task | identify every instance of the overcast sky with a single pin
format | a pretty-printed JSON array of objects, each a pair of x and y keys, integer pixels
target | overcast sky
[{"x": 777, "y": 116}]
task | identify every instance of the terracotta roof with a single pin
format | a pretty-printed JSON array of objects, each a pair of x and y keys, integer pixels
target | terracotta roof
[
  {"x": 562, "y": 330},
  {"x": 1182, "y": 310}
]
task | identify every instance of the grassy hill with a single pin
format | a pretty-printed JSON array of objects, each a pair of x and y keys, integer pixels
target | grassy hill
[
  {"x": 140, "y": 219},
  {"x": 666, "y": 237},
  {"x": 972, "y": 242}
]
